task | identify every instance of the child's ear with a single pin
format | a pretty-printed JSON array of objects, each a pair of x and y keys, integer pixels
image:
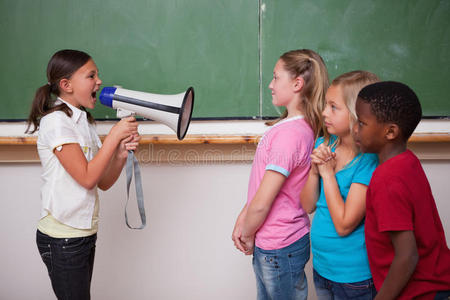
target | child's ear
[
  {"x": 299, "y": 82},
  {"x": 65, "y": 85},
  {"x": 392, "y": 131}
]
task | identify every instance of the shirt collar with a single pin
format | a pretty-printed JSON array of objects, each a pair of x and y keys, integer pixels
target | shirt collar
[
  {"x": 76, "y": 112},
  {"x": 288, "y": 120}
]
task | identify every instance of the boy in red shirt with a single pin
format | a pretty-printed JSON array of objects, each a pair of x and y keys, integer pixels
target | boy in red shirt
[{"x": 406, "y": 245}]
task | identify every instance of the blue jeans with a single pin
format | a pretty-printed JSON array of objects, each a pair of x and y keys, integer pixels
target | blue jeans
[
  {"x": 327, "y": 289},
  {"x": 280, "y": 273},
  {"x": 69, "y": 263},
  {"x": 443, "y": 295}
]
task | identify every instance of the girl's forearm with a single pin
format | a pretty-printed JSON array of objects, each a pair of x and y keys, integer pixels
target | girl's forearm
[
  {"x": 310, "y": 193},
  {"x": 335, "y": 203},
  {"x": 99, "y": 164},
  {"x": 86, "y": 173},
  {"x": 89, "y": 174},
  {"x": 254, "y": 219},
  {"x": 346, "y": 215},
  {"x": 242, "y": 215},
  {"x": 262, "y": 202},
  {"x": 112, "y": 173}
]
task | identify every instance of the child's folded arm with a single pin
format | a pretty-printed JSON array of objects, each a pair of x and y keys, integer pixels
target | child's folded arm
[
  {"x": 310, "y": 192},
  {"x": 262, "y": 202},
  {"x": 346, "y": 215}
]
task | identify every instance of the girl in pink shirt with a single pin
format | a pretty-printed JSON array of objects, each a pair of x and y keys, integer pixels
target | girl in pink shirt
[{"x": 272, "y": 225}]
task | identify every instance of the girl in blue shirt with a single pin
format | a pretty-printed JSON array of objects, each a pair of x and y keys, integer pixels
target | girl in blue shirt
[{"x": 336, "y": 191}]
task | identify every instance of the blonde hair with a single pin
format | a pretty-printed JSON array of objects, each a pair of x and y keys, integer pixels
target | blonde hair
[
  {"x": 311, "y": 67},
  {"x": 351, "y": 83}
]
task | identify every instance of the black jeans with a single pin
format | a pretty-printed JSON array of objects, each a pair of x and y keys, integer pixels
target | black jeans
[
  {"x": 444, "y": 295},
  {"x": 69, "y": 262}
]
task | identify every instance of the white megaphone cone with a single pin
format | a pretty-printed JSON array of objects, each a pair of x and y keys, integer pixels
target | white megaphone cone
[{"x": 174, "y": 111}]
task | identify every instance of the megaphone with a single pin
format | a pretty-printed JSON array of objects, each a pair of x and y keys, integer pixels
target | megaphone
[{"x": 174, "y": 111}]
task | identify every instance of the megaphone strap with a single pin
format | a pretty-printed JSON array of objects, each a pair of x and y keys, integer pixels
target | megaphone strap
[{"x": 133, "y": 165}]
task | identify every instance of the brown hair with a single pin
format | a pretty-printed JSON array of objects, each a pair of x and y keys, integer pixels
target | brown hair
[
  {"x": 311, "y": 67},
  {"x": 61, "y": 66},
  {"x": 351, "y": 83}
]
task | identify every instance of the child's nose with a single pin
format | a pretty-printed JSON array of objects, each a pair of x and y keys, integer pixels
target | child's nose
[{"x": 355, "y": 128}]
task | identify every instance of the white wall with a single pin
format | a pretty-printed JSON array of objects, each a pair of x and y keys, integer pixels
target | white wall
[{"x": 186, "y": 250}]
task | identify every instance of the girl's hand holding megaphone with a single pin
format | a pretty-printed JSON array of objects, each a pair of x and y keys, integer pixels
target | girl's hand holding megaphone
[
  {"x": 127, "y": 133},
  {"x": 125, "y": 128},
  {"x": 132, "y": 142}
]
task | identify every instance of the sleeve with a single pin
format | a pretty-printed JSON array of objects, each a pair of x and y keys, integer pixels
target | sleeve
[
  {"x": 56, "y": 129},
  {"x": 393, "y": 211},
  {"x": 366, "y": 165},
  {"x": 99, "y": 142},
  {"x": 288, "y": 150}
]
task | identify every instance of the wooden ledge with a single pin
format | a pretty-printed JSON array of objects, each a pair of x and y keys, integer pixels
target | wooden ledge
[
  {"x": 430, "y": 138},
  {"x": 196, "y": 139},
  {"x": 168, "y": 139},
  {"x": 29, "y": 140},
  {"x": 201, "y": 149}
]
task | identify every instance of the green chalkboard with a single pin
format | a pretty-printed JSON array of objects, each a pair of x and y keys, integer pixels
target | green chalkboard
[
  {"x": 226, "y": 50},
  {"x": 157, "y": 46},
  {"x": 401, "y": 40}
]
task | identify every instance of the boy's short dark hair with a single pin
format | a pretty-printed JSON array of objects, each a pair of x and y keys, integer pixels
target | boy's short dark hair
[{"x": 393, "y": 102}]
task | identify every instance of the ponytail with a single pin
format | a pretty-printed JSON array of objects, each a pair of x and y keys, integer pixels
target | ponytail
[
  {"x": 314, "y": 95},
  {"x": 43, "y": 104}
]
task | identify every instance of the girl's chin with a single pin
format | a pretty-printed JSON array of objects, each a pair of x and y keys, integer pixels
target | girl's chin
[
  {"x": 330, "y": 130},
  {"x": 90, "y": 105}
]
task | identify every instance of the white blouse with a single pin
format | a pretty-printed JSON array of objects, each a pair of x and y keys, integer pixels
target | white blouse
[{"x": 64, "y": 198}]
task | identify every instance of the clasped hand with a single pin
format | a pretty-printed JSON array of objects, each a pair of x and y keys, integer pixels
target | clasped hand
[
  {"x": 323, "y": 160},
  {"x": 244, "y": 244}
]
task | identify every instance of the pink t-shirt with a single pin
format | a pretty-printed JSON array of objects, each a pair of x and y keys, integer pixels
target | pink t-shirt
[{"x": 284, "y": 148}]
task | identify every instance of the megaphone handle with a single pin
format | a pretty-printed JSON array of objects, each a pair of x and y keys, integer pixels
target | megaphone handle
[{"x": 133, "y": 165}]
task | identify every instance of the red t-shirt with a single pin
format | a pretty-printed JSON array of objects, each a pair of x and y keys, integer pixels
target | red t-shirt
[{"x": 399, "y": 198}]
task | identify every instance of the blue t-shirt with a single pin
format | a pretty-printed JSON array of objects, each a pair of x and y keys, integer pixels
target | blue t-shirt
[{"x": 341, "y": 259}]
